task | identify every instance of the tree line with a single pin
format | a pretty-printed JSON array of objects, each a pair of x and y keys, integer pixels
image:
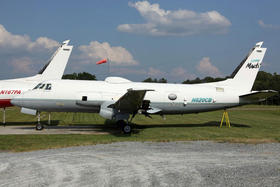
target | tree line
[{"x": 264, "y": 81}]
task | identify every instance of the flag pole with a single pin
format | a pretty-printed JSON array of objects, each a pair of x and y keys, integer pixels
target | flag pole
[
  {"x": 105, "y": 60},
  {"x": 108, "y": 67}
]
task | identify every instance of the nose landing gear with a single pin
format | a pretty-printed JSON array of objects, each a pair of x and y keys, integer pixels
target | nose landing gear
[{"x": 39, "y": 126}]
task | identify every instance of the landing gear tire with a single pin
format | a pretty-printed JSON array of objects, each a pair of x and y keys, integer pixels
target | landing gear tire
[
  {"x": 39, "y": 127},
  {"x": 126, "y": 129}
]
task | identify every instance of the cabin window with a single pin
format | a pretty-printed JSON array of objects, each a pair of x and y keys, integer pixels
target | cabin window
[
  {"x": 219, "y": 89},
  {"x": 84, "y": 98},
  {"x": 48, "y": 87},
  {"x": 172, "y": 96}
]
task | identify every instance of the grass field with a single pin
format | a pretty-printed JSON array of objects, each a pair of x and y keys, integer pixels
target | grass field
[{"x": 249, "y": 124}]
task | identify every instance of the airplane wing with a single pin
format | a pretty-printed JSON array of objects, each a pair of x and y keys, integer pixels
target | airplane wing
[
  {"x": 259, "y": 95},
  {"x": 131, "y": 101}
]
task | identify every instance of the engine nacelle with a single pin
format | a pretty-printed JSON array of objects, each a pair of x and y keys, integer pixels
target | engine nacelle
[
  {"x": 112, "y": 114},
  {"x": 106, "y": 113}
]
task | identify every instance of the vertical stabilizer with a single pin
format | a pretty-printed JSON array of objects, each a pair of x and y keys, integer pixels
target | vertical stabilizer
[
  {"x": 245, "y": 74},
  {"x": 54, "y": 69}
]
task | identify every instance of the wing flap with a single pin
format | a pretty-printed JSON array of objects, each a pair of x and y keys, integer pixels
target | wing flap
[{"x": 131, "y": 101}]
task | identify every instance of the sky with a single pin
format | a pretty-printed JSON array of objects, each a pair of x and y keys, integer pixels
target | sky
[{"x": 177, "y": 40}]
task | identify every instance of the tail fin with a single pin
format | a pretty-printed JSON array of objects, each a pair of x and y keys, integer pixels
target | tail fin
[
  {"x": 54, "y": 69},
  {"x": 245, "y": 74}
]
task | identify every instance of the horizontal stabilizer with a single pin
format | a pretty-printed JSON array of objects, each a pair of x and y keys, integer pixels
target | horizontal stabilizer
[{"x": 259, "y": 95}]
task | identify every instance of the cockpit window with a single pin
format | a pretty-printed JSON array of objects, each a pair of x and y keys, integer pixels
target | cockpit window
[
  {"x": 48, "y": 87},
  {"x": 37, "y": 86}
]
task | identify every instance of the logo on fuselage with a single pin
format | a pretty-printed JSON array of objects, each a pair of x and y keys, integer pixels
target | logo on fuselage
[
  {"x": 254, "y": 63},
  {"x": 202, "y": 100},
  {"x": 253, "y": 66},
  {"x": 10, "y": 92}
]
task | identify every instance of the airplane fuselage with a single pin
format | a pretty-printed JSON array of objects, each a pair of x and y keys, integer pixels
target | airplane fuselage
[
  {"x": 88, "y": 96},
  {"x": 13, "y": 88}
]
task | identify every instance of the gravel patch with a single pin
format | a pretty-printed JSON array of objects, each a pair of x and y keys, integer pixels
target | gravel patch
[{"x": 199, "y": 163}]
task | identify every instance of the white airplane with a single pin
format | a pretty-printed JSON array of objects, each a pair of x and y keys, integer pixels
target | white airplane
[
  {"x": 119, "y": 99},
  {"x": 53, "y": 70}
]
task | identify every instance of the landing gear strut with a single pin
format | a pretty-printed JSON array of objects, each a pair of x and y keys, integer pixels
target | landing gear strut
[
  {"x": 4, "y": 116},
  {"x": 126, "y": 127},
  {"x": 39, "y": 126}
]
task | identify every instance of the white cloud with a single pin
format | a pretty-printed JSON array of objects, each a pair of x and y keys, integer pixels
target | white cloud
[
  {"x": 19, "y": 46},
  {"x": 181, "y": 74},
  {"x": 96, "y": 51},
  {"x": 207, "y": 69},
  {"x": 128, "y": 71},
  {"x": 268, "y": 26},
  {"x": 23, "y": 42},
  {"x": 160, "y": 22},
  {"x": 153, "y": 72},
  {"x": 175, "y": 74},
  {"x": 22, "y": 65}
]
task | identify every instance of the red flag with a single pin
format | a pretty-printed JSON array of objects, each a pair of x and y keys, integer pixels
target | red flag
[{"x": 101, "y": 61}]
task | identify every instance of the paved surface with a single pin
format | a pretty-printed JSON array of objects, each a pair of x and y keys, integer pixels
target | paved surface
[
  {"x": 30, "y": 129},
  {"x": 145, "y": 164}
]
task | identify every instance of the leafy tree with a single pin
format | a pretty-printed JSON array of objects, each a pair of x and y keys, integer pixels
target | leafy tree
[
  {"x": 162, "y": 80},
  {"x": 72, "y": 76},
  {"x": 86, "y": 76},
  {"x": 79, "y": 76}
]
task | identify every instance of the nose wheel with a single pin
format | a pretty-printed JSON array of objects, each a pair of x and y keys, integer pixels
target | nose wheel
[{"x": 39, "y": 126}]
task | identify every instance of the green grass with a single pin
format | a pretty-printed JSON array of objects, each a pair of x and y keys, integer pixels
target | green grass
[{"x": 249, "y": 124}]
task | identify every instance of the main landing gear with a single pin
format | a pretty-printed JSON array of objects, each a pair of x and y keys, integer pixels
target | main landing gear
[
  {"x": 126, "y": 127},
  {"x": 39, "y": 126}
]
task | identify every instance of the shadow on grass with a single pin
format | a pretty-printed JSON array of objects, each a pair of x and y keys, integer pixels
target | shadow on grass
[
  {"x": 53, "y": 123},
  {"x": 137, "y": 128},
  {"x": 110, "y": 127},
  {"x": 208, "y": 124}
]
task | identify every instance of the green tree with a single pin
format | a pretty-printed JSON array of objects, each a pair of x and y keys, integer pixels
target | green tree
[
  {"x": 79, "y": 76},
  {"x": 72, "y": 76},
  {"x": 162, "y": 80},
  {"x": 86, "y": 76}
]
